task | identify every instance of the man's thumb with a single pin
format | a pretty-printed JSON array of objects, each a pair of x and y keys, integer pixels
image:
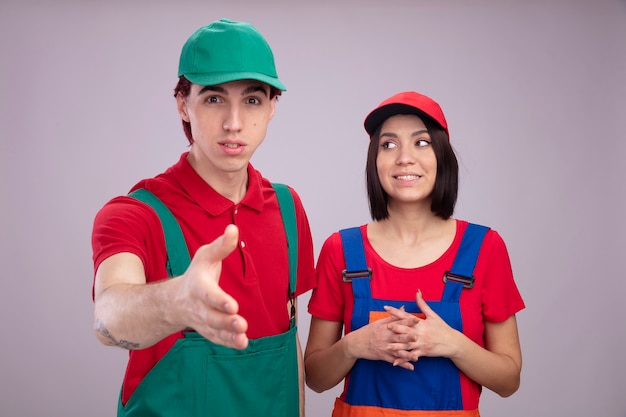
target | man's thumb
[{"x": 221, "y": 247}]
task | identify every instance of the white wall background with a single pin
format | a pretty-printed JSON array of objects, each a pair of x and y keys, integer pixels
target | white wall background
[{"x": 534, "y": 92}]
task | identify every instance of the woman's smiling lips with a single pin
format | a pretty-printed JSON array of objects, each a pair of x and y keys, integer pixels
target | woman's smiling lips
[{"x": 406, "y": 177}]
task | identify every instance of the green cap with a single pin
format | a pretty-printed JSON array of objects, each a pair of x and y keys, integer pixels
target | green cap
[{"x": 225, "y": 51}]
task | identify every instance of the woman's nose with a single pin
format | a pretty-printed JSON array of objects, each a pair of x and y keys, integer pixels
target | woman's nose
[{"x": 405, "y": 156}]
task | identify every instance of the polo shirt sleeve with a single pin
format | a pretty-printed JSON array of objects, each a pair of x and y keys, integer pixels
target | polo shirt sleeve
[{"x": 125, "y": 224}]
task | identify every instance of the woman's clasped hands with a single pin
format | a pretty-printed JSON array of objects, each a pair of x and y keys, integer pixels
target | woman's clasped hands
[{"x": 412, "y": 336}]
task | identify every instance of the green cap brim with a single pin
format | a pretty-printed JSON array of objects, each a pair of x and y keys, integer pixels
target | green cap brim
[{"x": 220, "y": 78}]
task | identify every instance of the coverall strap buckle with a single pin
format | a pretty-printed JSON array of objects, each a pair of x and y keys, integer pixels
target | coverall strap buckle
[
  {"x": 348, "y": 276},
  {"x": 468, "y": 282}
]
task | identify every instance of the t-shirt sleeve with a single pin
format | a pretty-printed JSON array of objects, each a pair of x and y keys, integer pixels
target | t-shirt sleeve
[
  {"x": 500, "y": 295},
  {"x": 327, "y": 300}
]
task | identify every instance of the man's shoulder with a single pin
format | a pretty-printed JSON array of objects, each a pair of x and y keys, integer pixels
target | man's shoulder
[{"x": 125, "y": 207}]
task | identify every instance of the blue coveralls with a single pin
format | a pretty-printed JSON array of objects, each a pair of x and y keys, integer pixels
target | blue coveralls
[{"x": 376, "y": 387}]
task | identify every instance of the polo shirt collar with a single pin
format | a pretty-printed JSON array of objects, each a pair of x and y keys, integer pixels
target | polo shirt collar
[{"x": 212, "y": 201}]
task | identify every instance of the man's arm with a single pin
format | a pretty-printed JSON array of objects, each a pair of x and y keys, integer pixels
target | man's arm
[{"x": 134, "y": 315}]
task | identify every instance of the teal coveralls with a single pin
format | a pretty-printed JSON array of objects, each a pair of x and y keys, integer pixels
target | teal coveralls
[{"x": 200, "y": 378}]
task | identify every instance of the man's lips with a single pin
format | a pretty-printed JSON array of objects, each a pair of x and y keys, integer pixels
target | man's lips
[
  {"x": 232, "y": 148},
  {"x": 231, "y": 145}
]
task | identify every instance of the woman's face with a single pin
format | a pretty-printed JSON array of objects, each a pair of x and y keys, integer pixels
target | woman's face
[{"x": 406, "y": 162}]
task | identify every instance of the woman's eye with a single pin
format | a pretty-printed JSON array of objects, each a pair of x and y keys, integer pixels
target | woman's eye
[
  {"x": 388, "y": 145},
  {"x": 422, "y": 142}
]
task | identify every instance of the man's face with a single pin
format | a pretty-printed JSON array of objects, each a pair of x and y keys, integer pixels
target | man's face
[{"x": 228, "y": 123}]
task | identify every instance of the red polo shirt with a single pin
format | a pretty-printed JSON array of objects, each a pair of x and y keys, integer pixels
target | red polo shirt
[{"x": 256, "y": 274}]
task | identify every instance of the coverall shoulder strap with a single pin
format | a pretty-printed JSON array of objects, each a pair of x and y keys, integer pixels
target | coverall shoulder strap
[
  {"x": 288, "y": 214},
  {"x": 354, "y": 254},
  {"x": 177, "y": 252},
  {"x": 467, "y": 255},
  {"x": 463, "y": 265},
  {"x": 461, "y": 275}
]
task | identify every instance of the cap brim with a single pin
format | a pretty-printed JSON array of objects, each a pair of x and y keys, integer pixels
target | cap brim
[
  {"x": 217, "y": 78},
  {"x": 379, "y": 115}
]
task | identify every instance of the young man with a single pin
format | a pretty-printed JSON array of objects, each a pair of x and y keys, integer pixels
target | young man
[{"x": 208, "y": 315}]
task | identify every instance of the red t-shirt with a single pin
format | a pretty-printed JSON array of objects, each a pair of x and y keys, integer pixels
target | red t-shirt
[
  {"x": 494, "y": 298},
  {"x": 256, "y": 274}
]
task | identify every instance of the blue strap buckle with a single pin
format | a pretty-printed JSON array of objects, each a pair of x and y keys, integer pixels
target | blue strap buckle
[
  {"x": 468, "y": 282},
  {"x": 348, "y": 276}
]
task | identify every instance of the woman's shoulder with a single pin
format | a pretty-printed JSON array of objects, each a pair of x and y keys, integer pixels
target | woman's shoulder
[
  {"x": 463, "y": 224},
  {"x": 335, "y": 239},
  {"x": 492, "y": 241}
]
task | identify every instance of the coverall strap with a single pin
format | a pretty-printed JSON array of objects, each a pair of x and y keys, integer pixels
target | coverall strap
[
  {"x": 178, "y": 259},
  {"x": 288, "y": 213}
]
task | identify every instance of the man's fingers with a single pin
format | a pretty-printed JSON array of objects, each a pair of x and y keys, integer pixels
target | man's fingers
[
  {"x": 212, "y": 312},
  {"x": 207, "y": 262},
  {"x": 233, "y": 339},
  {"x": 220, "y": 248},
  {"x": 226, "y": 329},
  {"x": 239, "y": 340},
  {"x": 226, "y": 338}
]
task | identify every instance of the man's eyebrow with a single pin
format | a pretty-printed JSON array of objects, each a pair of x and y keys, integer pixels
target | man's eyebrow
[
  {"x": 215, "y": 88},
  {"x": 218, "y": 89},
  {"x": 254, "y": 88}
]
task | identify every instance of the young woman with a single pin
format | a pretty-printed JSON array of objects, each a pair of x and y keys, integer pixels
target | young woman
[{"x": 426, "y": 302}]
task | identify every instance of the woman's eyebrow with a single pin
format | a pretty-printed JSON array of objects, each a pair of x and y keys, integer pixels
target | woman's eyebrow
[{"x": 393, "y": 135}]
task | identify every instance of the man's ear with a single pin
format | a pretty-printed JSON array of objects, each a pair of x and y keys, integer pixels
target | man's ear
[
  {"x": 181, "y": 104},
  {"x": 273, "y": 106}
]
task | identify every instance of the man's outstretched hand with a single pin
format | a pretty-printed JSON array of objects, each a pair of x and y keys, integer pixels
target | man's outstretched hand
[{"x": 207, "y": 308}]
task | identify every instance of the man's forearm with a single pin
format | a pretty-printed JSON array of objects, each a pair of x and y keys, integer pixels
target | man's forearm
[{"x": 134, "y": 316}]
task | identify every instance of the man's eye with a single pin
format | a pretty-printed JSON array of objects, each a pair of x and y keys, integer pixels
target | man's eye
[
  {"x": 253, "y": 100},
  {"x": 212, "y": 99}
]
